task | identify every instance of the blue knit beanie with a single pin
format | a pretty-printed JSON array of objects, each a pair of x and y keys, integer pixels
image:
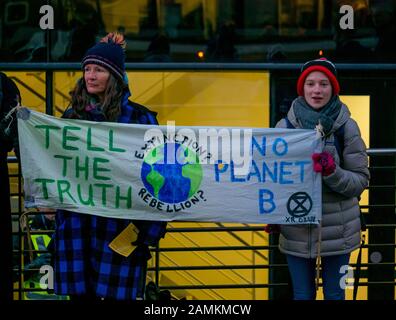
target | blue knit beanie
[{"x": 108, "y": 53}]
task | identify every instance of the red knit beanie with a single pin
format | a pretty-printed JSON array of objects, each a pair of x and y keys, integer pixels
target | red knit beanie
[{"x": 322, "y": 65}]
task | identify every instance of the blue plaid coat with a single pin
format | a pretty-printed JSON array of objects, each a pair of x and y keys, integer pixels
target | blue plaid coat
[{"x": 83, "y": 262}]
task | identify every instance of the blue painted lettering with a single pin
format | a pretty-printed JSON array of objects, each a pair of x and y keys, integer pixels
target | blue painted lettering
[
  {"x": 256, "y": 145},
  {"x": 283, "y": 145},
  {"x": 233, "y": 178},
  {"x": 266, "y": 201},
  {"x": 254, "y": 171},
  {"x": 283, "y": 172},
  {"x": 267, "y": 170},
  {"x": 302, "y": 164},
  {"x": 220, "y": 168}
]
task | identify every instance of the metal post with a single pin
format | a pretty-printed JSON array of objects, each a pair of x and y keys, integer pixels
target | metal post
[
  {"x": 157, "y": 265},
  {"x": 49, "y": 91}
]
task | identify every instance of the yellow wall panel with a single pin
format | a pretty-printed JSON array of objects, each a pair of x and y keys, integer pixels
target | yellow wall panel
[
  {"x": 206, "y": 98},
  {"x": 360, "y": 112}
]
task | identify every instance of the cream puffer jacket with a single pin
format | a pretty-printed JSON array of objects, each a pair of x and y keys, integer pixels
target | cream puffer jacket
[{"x": 340, "y": 226}]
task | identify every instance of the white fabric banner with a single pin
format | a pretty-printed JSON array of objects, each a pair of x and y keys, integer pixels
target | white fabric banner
[{"x": 125, "y": 171}]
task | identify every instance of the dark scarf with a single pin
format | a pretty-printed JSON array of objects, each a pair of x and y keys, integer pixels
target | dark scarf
[
  {"x": 95, "y": 111},
  {"x": 309, "y": 117}
]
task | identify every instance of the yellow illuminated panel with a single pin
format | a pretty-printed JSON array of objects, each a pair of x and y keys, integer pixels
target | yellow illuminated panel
[
  {"x": 360, "y": 112},
  {"x": 237, "y": 99},
  {"x": 205, "y": 98}
]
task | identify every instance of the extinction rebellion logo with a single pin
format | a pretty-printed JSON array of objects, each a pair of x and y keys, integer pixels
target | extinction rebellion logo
[{"x": 171, "y": 174}]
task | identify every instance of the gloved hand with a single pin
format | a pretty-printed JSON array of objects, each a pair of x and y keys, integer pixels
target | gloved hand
[
  {"x": 324, "y": 163},
  {"x": 272, "y": 228}
]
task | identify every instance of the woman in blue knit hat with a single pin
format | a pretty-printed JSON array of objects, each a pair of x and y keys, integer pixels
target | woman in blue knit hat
[
  {"x": 85, "y": 267},
  {"x": 343, "y": 166}
]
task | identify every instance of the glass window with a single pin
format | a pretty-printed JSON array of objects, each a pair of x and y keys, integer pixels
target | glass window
[{"x": 202, "y": 30}]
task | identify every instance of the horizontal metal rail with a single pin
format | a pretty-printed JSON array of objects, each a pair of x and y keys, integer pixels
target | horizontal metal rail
[
  {"x": 222, "y": 286},
  {"x": 223, "y": 248},
  {"x": 236, "y": 267},
  {"x": 378, "y": 206},
  {"x": 370, "y": 152},
  {"x": 185, "y": 230},
  {"x": 250, "y": 267},
  {"x": 214, "y": 229},
  {"x": 253, "y": 286},
  {"x": 228, "y": 248},
  {"x": 381, "y": 152},
  {"x": 195, "y": 66}
]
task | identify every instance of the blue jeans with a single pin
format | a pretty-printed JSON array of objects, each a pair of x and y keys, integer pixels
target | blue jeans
[{"x": 303, "y": 272}]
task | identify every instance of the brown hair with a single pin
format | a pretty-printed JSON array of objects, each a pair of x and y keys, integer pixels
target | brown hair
[{"x": 111, "y": 105}]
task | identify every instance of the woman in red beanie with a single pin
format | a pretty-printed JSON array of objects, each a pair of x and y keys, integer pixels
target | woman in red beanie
[{"x": 343, "y": 165}]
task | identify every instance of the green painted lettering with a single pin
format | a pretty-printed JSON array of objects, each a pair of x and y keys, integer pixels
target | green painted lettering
[
  {"x": 64, "y": 163},
  {"x": 104, "y": 191},
  {"x": 90, "y": 147},
  {"x": 64, "y": 187},
  {"x": 97, "y": 169},
  {"x": 82, "y": 168},
  {"x": 44, "y": 185},
  {"x": 127, "y": 198},
  {"x": 111, "y": 143},
  {"x": 47, "y": 133},
  {"x": 89, "y": 201},
  {"x": 66, "y": 138}
]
